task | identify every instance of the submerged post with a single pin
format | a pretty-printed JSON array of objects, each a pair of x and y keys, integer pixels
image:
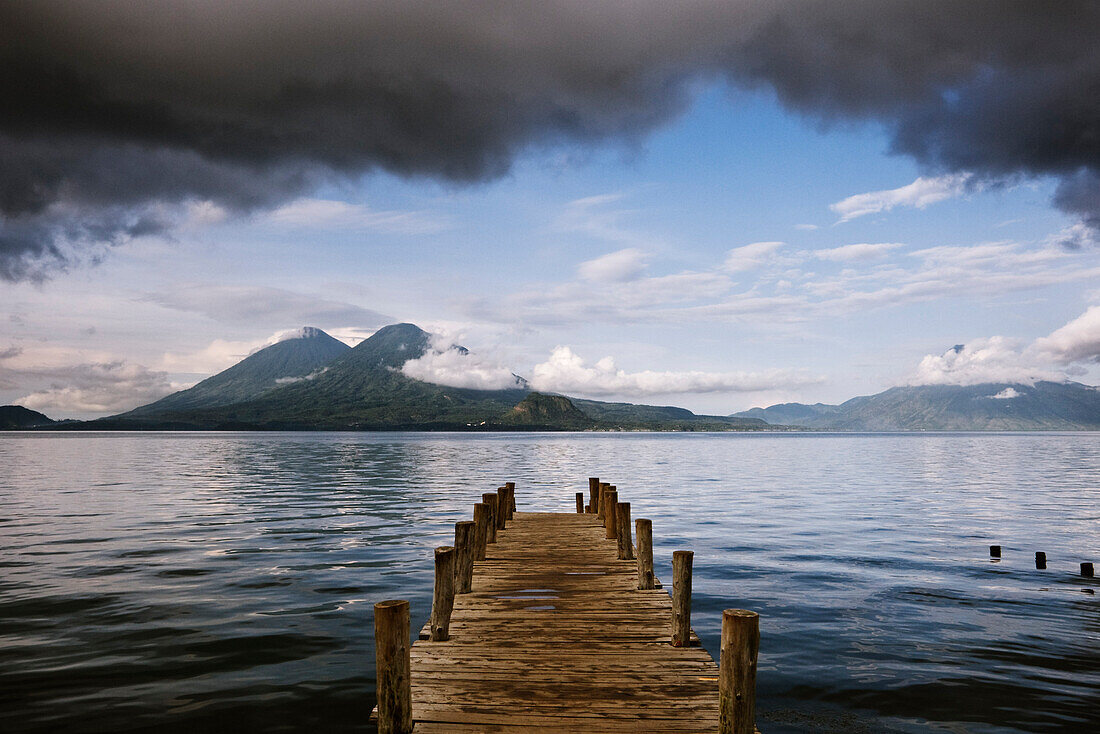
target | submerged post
[
  {"x": 490, "y": 500},
  {"x": 393, "y": 666},
  {"x": 443, "y": 598},
  {"x": 580, "y": 503},
  {"x": 622, "y": 520},
  {"x": 1040, "y": 560},
  {"x": 593, "y": 493},
  {"x": 681, "y": 598},
  {"x": 737, "y": 672},
  {"x": 645, "y": 553},
  {"x": 1087, "y": 570},
  {"x": 481, "y": 518},
  {"x": 465, "y": 533},
  {"x": 994, "y": 551},
  {"x": 610, "y": 528}
]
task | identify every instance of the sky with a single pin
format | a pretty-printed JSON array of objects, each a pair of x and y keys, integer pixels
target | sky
[{"x": 711, "y": 205}]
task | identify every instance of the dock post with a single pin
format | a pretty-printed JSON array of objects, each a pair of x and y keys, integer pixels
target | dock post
[
  {"x": 645, "y": 553},
  {"x": 465, "y": 533},
  {"x": 622, "y": 521},
  {"x": 611, "y": 529},
  {"x": 393, "y": 666},
  {"x": 681, "y": 598},
  {"x": 580, "y": 503},
  {"x": 502, "y": 505},
  {"x": 490, "y": 500},
  {"x": 994, "y": 551},
  {"x": 1040, "y": 560},
  {"x": 1087, "y": 570},
  {"x": 511, "y": 498},
  {"x": 593, "y": 493},
  {"x": 601, "y": 499},
  {"x": 737, "y": 672},
  {"x": 443, "y": 598},
  {"x": 481, "y": 518}
]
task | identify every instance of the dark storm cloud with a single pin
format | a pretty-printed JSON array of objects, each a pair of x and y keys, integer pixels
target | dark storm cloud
[{"x": 110, "y": 107}]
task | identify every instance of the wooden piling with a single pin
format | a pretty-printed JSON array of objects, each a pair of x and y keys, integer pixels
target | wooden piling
[
  {"x": 1040, "y": 560},
  {"x": 737, "y": 672},
  {"x": 611, "y": 530},
  {"x": 490, "y": 500},
  {"x": 511, "y": 498},
  {"x": 994, "y": 551},
  {"x": 681, "y": 597},
  {"x": 392, "y": 667},
  {"x": 443, "y": 598},
  {"x": 502, "y": 508},
  {"x": 465, "y": 533},
  {"x": 645, "y": 554},
  {"x": 601, "y": 499},
  {"x": 622, "y": 521},
  {"x": 481, "y": 518},
  {"x": 1087, "y": 570},
  {"x": 593, "y": 493},
  {"x": 580, "y": 503}
]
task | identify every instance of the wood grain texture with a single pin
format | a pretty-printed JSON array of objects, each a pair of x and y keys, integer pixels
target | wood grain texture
[{"x": 555, "y": 636}]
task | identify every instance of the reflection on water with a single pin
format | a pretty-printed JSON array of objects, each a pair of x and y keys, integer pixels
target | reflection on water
[{"x": 224, "y": 582}]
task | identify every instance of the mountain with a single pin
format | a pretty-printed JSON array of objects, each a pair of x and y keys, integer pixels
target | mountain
[
  {"x": 16, "y": 418},
  {"x": 1044, "y": 406},
  {"x": 300, "y": 357},
  {"x": 300, "y": 385}
]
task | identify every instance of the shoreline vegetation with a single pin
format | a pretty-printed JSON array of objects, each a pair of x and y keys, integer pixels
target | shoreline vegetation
[{"x": 313, "y": 382}]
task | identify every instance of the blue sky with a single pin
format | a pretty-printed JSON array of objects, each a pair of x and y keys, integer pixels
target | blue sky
[{"x": 709, "y": 259}]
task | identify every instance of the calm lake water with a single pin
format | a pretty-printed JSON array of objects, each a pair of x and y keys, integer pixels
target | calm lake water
[{"x": 224, "y": 582}]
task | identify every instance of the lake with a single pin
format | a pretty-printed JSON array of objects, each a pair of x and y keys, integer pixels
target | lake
[{"x": 182, "y": 582}]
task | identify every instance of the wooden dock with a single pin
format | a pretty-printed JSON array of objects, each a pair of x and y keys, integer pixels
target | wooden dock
[{"x": 555, "y": 635}]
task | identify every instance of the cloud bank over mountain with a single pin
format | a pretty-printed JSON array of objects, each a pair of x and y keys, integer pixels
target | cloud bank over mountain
[{"x": 118, "y": 116}]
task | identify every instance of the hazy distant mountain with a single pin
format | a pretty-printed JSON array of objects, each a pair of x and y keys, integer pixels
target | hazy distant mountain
[
  {"x": 988, "y": 407},
  {"x": 16, "y": 417},
  {"x": 364, "y": 389},
  {"x": 300, "y": 357}
]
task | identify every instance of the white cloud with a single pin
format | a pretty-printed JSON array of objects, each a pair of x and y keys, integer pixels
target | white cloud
[
  {"x": 566, "y": 372},
  {"x": 858, "y": 252},
  {"x": 751, "y": 256},
  {"x": 1007, "y": 394},
  {"x": 345, "y": 215},
  {"x": 99, "y": 387},
  {"x": 1075, "y": 237},
  {"x": 261, "y": 306},
  {"x": 1077, "y": 341},
  {"x": 806, "y": 227},
  {"x": 620, "y": 266},
  {"x": 216, "y": 356},
  {"x": 996, "y": 359},
  {"x": 444, "y": 364},
  {"x": 919, "y": 194}
]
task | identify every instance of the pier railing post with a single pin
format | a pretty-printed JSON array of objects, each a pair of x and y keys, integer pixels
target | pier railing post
[
  {"x": 393, "y": 666},
  {"x": 580, "y": 503},
  {"x": 681, "y": 598},
  {"x": 601, "y": 499},
  {"x": 593, "y": 494},
  {"x": 611, "y": 497},
  {"x": 490, "y": 500},
  {"x": 622, "y": 520},
  {"x": 465, "y": 533},
  {"x": 511, "y": 498},
  {"x": 646, "y": 579},
  {"x": 737, "y": 672},
  {"x": 481, "y": 519},
  {"x": 502, "y": 508},
  {"x": 443, "y": 598}
]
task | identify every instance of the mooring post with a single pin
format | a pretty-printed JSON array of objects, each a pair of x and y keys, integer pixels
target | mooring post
[
  {"x": 393, "y": 666},
  {"x": 490, "y": 499},
  {"x": 465, "y": 532},
  {"x": 622, "y": 520},
  {"x": 502, "y": 508},
  {"x": 610, "y": 528},
  {"x": 994, "y": 551},
  {"x": 737, "y": 672},
  {"x": 601, "y": 499},
  {"x": 681, "y": 598},
  {"x": 1040, "y": 560},
  {"x": 481, "y": 518},
  {"x": 593, "y": 493},
  {"x": 511, "y": 498},
  {"x": 580, "y": 503},
  {"x": 645, "y": 553},
  {"x": 443, "y": 598},
  {"x": 1087, "y": 570}
]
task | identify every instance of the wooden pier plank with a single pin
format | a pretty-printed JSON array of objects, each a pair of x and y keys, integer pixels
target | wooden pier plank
[{"x": 556, "y": 637}]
